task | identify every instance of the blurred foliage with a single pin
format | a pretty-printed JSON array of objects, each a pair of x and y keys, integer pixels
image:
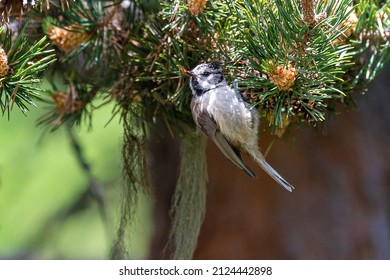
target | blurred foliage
[{"x": 40, "y": 179}]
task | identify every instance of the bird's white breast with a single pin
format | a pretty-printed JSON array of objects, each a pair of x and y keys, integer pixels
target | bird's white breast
[{"x": 234, "y": 119}]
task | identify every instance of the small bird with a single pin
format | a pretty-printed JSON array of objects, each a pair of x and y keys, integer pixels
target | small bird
[{"x": 222, "y": 114}]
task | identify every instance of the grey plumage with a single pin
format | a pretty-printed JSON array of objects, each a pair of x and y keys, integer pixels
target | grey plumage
[{"x": 222, "y": 115}]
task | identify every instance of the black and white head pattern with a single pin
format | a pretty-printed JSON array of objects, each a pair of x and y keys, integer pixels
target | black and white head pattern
[{"x": 205, "y": 77}]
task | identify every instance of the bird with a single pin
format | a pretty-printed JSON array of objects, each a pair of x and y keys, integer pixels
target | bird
[{"x": 227, "y": 119}]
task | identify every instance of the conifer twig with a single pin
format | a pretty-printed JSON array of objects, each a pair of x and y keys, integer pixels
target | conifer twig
[{"x": 308, "y": 12}]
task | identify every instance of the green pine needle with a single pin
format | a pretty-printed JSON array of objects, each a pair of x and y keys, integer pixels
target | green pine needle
[{"x": 26, "y": 63}]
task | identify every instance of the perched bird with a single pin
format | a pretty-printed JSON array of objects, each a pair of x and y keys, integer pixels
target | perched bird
[{"x": 223, "y": 115}]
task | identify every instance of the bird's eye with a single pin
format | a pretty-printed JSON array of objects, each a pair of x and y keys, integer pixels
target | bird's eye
[{"x": 206, "y": 73}]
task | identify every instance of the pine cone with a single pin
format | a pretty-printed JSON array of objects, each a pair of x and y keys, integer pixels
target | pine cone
[
  {"x": 196, "y": 6},
  {"x": 283, "y": 77},
  {"x": 65, "y": 38},
  {"x": 66, "y": 104},
  {"x": 3, "y": 63}
]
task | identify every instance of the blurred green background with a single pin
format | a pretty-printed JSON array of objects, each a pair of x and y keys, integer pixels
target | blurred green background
[{"x": 40, "y": 179}]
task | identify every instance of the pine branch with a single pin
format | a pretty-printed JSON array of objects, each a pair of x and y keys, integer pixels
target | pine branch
[
  {"x": 292, "y": 60},
  {"x": 71, "y": 106},
  {"x": 290, "y": 70},
  {"x": 94, "y": 189},
  {"x": 372, "y": 40},
  {"x": 93, "y": 30},
  {"x": 22, "y": 64},
  {"x": 90, "y": 36}
]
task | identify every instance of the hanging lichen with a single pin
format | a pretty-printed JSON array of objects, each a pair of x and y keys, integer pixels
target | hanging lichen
[
  {"x": 189, "y": 199},
  {"x": 134, "y": 175}
]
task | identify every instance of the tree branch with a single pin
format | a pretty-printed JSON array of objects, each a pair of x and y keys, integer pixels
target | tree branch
[{"x": 95, "y": 189}]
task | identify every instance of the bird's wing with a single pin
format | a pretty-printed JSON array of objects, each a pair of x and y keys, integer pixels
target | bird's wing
[
  {"x": 209, "y": 127},
  {"x": 231, "y": 153}
]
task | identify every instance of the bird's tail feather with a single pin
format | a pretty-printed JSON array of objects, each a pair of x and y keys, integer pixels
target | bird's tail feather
[
  {"x": 231, "y": 153},
  {"x": 259, "y": 158}
]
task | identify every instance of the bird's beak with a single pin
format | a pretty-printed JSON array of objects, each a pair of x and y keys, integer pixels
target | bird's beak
[{"x": 186, "y": 72}]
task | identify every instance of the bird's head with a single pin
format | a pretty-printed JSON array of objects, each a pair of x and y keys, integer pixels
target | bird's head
[{"x": 205, "y": 77}]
